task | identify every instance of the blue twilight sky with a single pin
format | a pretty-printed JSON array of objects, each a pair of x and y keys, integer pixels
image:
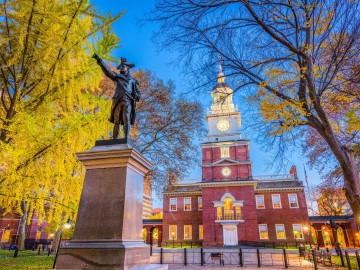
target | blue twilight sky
[{"x": 138, "y": 48}]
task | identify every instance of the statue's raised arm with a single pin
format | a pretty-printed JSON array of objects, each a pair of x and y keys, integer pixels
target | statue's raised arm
[
  {"x": 127, "y": 93},
  {"x": 107, "y": 71}
]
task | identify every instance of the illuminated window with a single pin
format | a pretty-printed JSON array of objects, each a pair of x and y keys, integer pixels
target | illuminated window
[
  {"x": 201, "y": 232},
  {"x": 276, "y": 200},
  {"x": 187, "y": 204},
  {"x": 172, "y": 232},
  {"x": 263, "y": 231},
  {"x": 173, "y": 204},
  {"x": 293, "y": 201},
  {"x": 219, "y": 213},
  {"x": 280, "y": 231},
  {"x": 222, "y": 98},
  {"x": 6, "y": 235},
  {"x": 225, "y": 152},
  {"x": 298, "y": 232},
  {"x": 260, "y": 203},
  {"x": 228, "y": 209},
  {"x": 187, "y": 232},
  {"x": 200, "y": 203},
  {"x": 38, "y": 235},
  {"x": 238, "y": 212}
]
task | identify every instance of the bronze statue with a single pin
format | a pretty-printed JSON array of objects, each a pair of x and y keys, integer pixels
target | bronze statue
[{"x": 126, "y": 94}]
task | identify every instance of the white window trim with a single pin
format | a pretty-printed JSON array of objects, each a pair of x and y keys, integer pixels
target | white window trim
[
  {"x": 297, "y": 200},
  {"x": 170, "y": 236},
  {"x": 175, "y": 204},
  {"x": 190, "y": 232},
  {"x": 199, "y": 204},
  {"x": 302, "y": 232},
  {"x": 276, "y": 228},
  {"x": 184, "y": 203},
  {"x": 199, "y": 232},
  {"x": 257, "y": 203},
  {"x": 272, "y": 198},
  {"x": 266, "y": 231}
]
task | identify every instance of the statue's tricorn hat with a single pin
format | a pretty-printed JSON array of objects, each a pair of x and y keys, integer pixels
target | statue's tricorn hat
[{"x": 125, "y": 62}]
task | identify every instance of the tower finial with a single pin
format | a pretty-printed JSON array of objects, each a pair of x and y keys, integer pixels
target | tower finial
[{"x": 221, "y": 76}]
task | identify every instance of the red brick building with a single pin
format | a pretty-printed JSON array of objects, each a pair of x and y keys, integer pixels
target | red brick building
[{"x": 229, "y": 206}]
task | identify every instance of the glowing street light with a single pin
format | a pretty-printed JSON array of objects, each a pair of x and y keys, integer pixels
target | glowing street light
[{"x": 306, "y": 228}]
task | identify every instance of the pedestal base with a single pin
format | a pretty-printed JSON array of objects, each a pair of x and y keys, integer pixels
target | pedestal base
[
  {"x": 103, "y": 254},
  {"x": 108, "y": 231}
]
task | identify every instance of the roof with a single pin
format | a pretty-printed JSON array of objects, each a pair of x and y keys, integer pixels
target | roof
[
  {"x": 183, "y": 188},
  {"x": 327, "y": 218},
  {"x": 156, "y": 210},
  {"x": 221, "y": 85},
  {"x": 278, "y": 184},
  {"x": 152, "y": 221}
]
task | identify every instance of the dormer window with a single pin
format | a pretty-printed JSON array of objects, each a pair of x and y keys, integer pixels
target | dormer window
[{"x": 225, "y": 152}]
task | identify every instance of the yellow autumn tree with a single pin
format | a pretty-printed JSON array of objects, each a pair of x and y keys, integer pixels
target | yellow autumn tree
[
  {"x": 294, "y": 59},
  {"x": 48, "y": 111}
]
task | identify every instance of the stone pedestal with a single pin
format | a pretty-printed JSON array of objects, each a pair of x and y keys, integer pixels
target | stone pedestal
[{"x": 108, "y": 231}]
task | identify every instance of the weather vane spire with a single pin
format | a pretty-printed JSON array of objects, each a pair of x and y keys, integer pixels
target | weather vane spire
[{"x": 221, "y": 76}]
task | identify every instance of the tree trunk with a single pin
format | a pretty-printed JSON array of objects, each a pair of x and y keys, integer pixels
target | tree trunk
[
  {"x": 57, "y": 237},
  {"x": 352, "y": 184},
  {"x": 21, "y": 239},
  {"x": 346, "y": 159}
]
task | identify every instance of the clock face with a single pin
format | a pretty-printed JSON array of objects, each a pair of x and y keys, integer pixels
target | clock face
[
  {"x": 226, "y": 172},
  {"x": 223, "y": 125}
]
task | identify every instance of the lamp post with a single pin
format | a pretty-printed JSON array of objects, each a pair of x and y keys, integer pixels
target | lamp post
[
  {"x": 333, "y": 229},
  {"x": 306, "y": 228},
  {"x": 66, "y": 226},
  {"x": 173, "y": 237}
]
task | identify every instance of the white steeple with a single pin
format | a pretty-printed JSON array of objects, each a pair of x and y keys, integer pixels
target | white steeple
[{"x": 224, "y": 118}]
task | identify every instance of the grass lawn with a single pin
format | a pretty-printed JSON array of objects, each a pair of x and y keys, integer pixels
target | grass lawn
[
  {"x": 353, "y": 262},
  {"x": 40, "y": 262},
  {"x": 9, "y": 254}
]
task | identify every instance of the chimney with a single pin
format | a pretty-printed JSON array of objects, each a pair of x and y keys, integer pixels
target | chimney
[{"x": 293, "y": 171}]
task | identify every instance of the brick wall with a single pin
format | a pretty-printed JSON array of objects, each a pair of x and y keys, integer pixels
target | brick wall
[
  {"x": 181, "y": 218},
  {"x": 285, "y": 215},
  {"x": 213, "y": 232}
]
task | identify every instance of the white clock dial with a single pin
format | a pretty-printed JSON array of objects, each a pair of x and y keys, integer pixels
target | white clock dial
[
  {"x": 226, "y": 172},
  {"x": 223, "y": 125}
]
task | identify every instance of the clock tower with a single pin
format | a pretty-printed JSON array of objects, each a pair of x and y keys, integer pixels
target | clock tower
[{"x": 225, "y": 153}]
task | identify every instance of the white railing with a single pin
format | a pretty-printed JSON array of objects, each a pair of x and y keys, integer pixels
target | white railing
[
  {"x": 274, "y": 177},
  {"x": 189, "y": 181}
]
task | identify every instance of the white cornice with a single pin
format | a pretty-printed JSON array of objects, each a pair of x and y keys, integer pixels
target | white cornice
[
  {"x": 212, "y": 144},
  {"x": 226, "y": 164},
  {"x": 262, "y": 190},
  {"x": 198, "y": 192}
]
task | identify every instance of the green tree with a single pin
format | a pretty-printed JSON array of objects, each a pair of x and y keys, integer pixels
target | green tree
[
  {"x": 47, "y": 110},
  {"x": 294, "y": 57}
]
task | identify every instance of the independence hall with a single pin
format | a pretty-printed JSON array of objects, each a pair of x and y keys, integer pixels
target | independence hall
[{"x": 229, "y": 206}]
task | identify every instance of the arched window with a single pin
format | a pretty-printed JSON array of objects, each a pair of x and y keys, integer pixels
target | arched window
[
  {"x": 6, "y": 234},
  {"x": 219, "y": 213},
  {"x": 340, "y": 236},
  {"x": 228, "y": 209},
  {"x": 215, "y": 101},
  {"x": 313, "y": 235},
  {"x": 222, "y": 98},
  {"x": 144, "y": 234}
]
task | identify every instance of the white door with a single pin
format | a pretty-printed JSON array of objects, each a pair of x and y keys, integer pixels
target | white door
[{"x": 230, "y": 234}]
